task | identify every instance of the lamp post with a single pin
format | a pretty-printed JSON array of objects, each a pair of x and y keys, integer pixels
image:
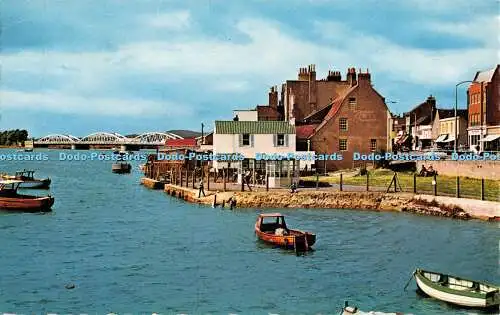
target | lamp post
[{"x": 456, "y": 114}]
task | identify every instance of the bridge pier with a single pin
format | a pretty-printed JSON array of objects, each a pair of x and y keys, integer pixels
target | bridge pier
[
  {"x": 123, "y": 147},
  {"x": 73, "y": 147}
]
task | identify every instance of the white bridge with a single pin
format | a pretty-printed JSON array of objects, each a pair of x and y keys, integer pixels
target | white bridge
[{"x": 107, "y": 138}]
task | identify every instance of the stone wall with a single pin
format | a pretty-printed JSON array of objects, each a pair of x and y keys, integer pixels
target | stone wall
[{"x": 473, "y": 169}]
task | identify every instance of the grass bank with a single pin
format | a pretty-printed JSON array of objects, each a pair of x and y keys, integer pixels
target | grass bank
[{"x": 446, "y": 185}]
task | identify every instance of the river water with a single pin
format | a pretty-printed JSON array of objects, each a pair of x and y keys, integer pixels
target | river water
[{"x": 128, "y": 249}]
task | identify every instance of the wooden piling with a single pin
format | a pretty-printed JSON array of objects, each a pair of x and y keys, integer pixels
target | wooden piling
[
  {"x": 194, "y": 178},
  {"x": 482, "y": 188},
  {"x": 267, "y": 182},
  {"x": 434, "y": 181},
  {"x": 414, "y": 183},
  {"x": 317, "y": 180},
  {"x": 341, "y": 182},
  {"x": 458, "y": 187},
  {"x": 224, "y": 178},
  {"x": 208, "y": 181},
  {"x": 367, "y": 181}
]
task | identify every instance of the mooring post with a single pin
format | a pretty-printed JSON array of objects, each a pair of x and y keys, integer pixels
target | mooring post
[
  {"x": 414, "y": 183},
  {"x": 187, "y": 176},
  {"x": 208, "y": 180},
  {"x": 434, "y": 182},
  {"x": 267, "y": 182},
  {"x": 458, "y": 187},
  {"x": 242, "y": 183},
  {"x": 367, "y": 181},
  {"x": 317, "y": 180},
  {"x": 482, "y": 188},
  {"x": 224, "y": 177},
  {"x": 341, "y": 182},
  {"x": 181, "y": 177},
  {"x": 194, "y": 177}
]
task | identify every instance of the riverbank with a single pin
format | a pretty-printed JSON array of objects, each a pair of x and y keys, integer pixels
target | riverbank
[{"x": 456, "y": 208}]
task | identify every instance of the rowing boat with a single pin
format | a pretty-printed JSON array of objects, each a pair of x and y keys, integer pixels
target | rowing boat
[
  {"x": 11, "y": 200},
  {"x": 457, "y": 290}
]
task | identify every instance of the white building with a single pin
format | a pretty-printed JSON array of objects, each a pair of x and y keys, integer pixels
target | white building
[{"x": 267, "y": 148}]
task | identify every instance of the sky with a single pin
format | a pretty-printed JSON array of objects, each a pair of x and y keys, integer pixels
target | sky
[{"x": 82, "y": 66}]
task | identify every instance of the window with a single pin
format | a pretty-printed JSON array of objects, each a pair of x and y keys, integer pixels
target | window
[
  {"x": 343, "y": 124},
  {"x": 343, "y": 144},
  {"x": 352, "y": 103},
  {"x": 245, "y": 139},
  {"x": 373, "y": 144},
  {"x": 280, "y": 140}
]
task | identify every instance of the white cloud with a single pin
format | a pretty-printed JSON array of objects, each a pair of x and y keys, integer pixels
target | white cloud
[
  {"x": 61, "y": 103},
  {"x": 177, "y": 20},
  {"x": 268, "y": 57}
]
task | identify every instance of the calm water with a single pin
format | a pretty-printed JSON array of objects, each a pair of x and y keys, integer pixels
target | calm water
[{"x": 131, "y": 250}]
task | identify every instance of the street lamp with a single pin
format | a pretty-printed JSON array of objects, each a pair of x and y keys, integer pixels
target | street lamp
[{"x": 456, "y": 105}]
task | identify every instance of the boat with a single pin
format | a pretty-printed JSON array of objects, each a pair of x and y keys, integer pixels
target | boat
[
  {"x": 28, "y": 150},
  {"x": 271, "y": 228},
  {"x": 28, "y": 180},
  {"x": 353, "y": 310},
  {"x": 457, "y": 290},
  {"x": 11, "y": 200},
  {"x": 121, "y": 167}
]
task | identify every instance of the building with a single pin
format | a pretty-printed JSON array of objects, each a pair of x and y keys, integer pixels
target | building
[
  {"x": 251, "y": 139},
  {"x": 333, "y": 115},
  {"x": 483, "y": 103},
  {"x": 443, "y": 128}
]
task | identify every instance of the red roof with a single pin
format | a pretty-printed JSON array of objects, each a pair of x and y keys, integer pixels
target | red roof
[
  {"x": 188, "y": 142},
  {"x": 304, "y": 131}
]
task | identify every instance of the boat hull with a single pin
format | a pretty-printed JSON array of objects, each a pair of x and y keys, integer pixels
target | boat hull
[
  {"x": 292, "y": 241},
  {"x": 26, "y": 204},
  {"x": 439, "y": 292},
  {"x": 121, "y": 168}
]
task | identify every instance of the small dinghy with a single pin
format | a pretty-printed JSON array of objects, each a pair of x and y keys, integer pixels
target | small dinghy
[
  {"x": 271, "y": 228},
  {"x": 28, "y": 180},
  {"x": 353, "y": 310},
  {"x": 121, "y": 167},
  {"x": 456, "y": 290}
]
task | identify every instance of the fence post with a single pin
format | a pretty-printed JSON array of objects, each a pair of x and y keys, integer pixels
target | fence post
[
  {"x": 317, "y": 180},
  {"x": 414, "y": 183},
  {"x": 224, "y": 178},
  {"x": 341, "y": 182},
  {"x": 458, "y": 187},
  {"x": 435, "y": 184},
  {"x": 367, "y": 181},
  {"x": 482, "y": 188},
  {"x": 267, "y": 182}
]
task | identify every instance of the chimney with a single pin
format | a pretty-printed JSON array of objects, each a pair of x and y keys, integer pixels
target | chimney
[
  {"x": 303, "y": 74},
  {"x": 312, "y": 87},
  {"x": 351, "y": 76},
  {"x": 273, "y": 97},
  {"x": 334, "y": 76},
  {"x": 364, "y": 78}
]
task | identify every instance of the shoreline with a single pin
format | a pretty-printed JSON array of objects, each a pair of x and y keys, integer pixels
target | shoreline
[{"x": 427, "y": 205}]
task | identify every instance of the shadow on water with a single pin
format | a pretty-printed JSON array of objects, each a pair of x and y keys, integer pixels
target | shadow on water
[{"x": 261, "y": 245}]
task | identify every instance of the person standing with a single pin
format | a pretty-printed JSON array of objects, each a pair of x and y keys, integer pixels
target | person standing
[{"x": 201, "y": 189}]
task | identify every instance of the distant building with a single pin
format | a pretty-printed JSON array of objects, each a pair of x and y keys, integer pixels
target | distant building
[
  {"x": 333, "y": 115},
  {"x": 250, "y": 138},
  {"x": 443, "y": 128},
  {"x": 483, "y": 103}
]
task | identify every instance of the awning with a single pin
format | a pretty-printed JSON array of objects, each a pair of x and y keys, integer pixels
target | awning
[
  {"x": 489, "y": 138},
  {"x": 449, "y": 140},
  {"x": 441, "y": 138}
]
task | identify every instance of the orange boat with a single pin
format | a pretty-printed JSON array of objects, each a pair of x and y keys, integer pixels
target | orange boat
[
  {"x": 271, "y": 228},
  {"x": 11, "y": 200}
]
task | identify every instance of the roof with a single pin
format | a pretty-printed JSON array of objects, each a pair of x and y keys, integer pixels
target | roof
[
  {"x": 485, "y": 76},
  {"x": 188, "y": 142},
  {"x": 304, "y": 131},
  {"x": 319, "y": 114},
  {"x": 267, "y": 215},
  {"x": 253, "y": 127}
]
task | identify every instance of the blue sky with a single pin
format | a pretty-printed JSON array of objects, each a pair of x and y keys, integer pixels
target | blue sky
[{"x": 82, "y": 66}]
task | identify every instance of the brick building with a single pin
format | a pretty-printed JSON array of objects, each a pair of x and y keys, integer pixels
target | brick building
[
  {"x": 333, "y": 115},
  {"x": 483, "y": 103}
]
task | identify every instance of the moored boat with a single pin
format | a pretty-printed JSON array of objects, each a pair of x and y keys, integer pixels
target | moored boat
[
  {"x": 11, "y": 200},
  {"x": 353, "y": 310},
  {"x": 121, "y": 167},
  {"x": 28, "y": 180},
  {"x": 271, "y": 228},
  {"x": 457, "y": 290}
]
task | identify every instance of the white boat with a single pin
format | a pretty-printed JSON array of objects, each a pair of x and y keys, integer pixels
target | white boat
[
  {"x": 458, "y": 291},
  {"x": 353, "y": 310}
]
